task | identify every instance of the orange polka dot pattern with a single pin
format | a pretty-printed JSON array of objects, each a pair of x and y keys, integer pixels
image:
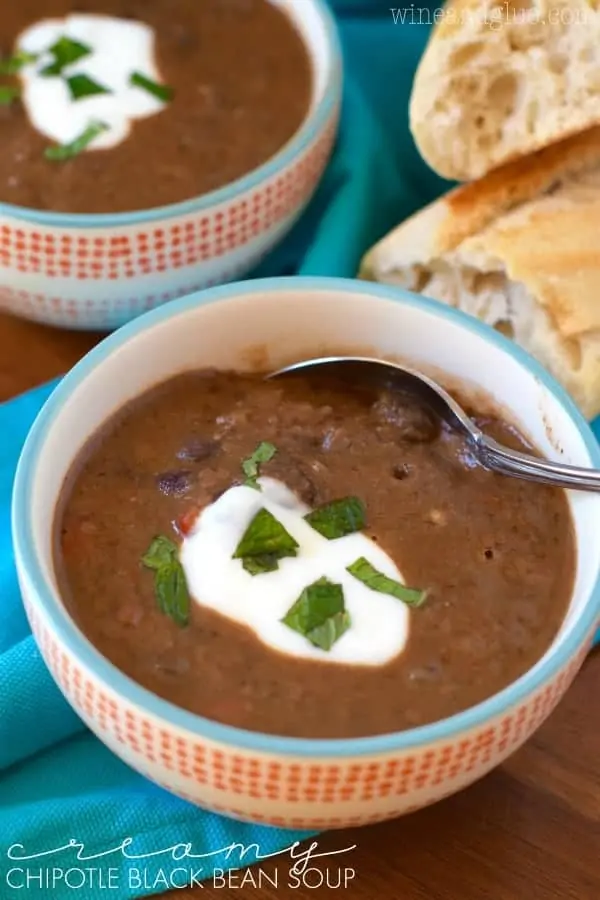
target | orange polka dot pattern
[
  {"x": 101, "y": 275},
  {"x": 331, "y": 793}
]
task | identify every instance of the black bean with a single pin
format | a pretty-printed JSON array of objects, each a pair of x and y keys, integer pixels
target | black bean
[
  {"x": 467, "y": 458},
  {"x": 130, "y": 614},
  {"x": 174, "y": 484},
  {"x": 429, "y": 672},
  {"x": 198, "y": 450},
  {"x": 335, "y": 438},
  {"x": 173, "y": 665},
  {"x": 184, "y": 39},
  {"x": 412, "y": 421},
  {"x": 294, "y": 473}
]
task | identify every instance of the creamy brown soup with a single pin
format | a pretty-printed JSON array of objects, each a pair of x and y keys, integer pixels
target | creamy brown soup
[
  {"x": 495, "y": 555},
  {"x": 241, "y": 81}
]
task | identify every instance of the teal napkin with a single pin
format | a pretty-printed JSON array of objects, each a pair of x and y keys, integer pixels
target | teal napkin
[{"x": 58, "y": 784}]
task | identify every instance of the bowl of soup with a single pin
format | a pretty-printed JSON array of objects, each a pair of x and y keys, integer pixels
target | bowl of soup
[
  {"x": 299, "y": 600},
  {"x": 152, "y": 149}
]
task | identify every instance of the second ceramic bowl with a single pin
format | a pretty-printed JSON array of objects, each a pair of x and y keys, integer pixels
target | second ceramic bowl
[{"x": 96, "y": 272}]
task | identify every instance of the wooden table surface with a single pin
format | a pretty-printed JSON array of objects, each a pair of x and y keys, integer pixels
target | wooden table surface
[{"x": 528, "y": 831}]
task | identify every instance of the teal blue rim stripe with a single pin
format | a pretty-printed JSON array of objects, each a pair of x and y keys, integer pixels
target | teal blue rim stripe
[
  {"x": 307, "y": 133},
  {"x": 81, "y": 649}
]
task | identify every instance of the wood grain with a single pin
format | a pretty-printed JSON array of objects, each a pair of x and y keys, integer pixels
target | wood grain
[
  {"x": 31, "y": 354},
  {"x": 531, "y": 829}
]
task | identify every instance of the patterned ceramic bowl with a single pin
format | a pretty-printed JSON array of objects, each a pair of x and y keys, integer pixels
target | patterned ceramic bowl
[
  {"x": 99, "y": 271},
  {"x": 286, "y": 781}
]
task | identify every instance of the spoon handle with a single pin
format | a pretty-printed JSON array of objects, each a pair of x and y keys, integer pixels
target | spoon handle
[{"x": 511, "y": 462}]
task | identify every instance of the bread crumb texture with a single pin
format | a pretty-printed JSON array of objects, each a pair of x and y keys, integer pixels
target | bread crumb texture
[
  {"x": 499, "y": 80},
  {"x": 519, "y": 250}
]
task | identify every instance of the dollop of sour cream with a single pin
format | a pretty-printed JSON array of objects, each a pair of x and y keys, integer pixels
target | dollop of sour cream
[
  {"x": 379, "y": 622},
  {"x": 118, "y": 47}
]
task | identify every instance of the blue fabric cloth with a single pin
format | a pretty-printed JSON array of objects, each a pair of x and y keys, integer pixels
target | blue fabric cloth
[{"x": 57, "y": 782}]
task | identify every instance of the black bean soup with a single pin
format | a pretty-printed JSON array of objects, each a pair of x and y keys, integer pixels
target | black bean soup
[
  {"x": 491, "y": 559},
  {"x": 238, "y": 82}
]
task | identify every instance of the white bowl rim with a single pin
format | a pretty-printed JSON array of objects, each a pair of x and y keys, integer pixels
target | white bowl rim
[
  {"x": 312, "y": 125},
  {"x": 81, "y": 649}
]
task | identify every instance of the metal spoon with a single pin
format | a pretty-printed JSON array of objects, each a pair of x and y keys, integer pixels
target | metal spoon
[{"x": 488, "y": 452}]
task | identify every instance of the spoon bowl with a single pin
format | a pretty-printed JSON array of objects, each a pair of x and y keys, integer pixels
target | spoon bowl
[{"x": 488, "y": 452}]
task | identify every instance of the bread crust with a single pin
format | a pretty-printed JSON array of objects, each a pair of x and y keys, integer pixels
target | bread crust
[{"x": 521, "y": 251}]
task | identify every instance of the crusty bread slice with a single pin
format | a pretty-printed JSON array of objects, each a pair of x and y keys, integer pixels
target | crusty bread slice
[
  {"x": 502, "y": 78},
  {"x": 520, "y": 250}
]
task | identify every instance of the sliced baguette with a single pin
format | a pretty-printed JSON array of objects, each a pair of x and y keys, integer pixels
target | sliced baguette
[
  {"x": 520, "y": 250},
  {"x": 499, "y": 80}
]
